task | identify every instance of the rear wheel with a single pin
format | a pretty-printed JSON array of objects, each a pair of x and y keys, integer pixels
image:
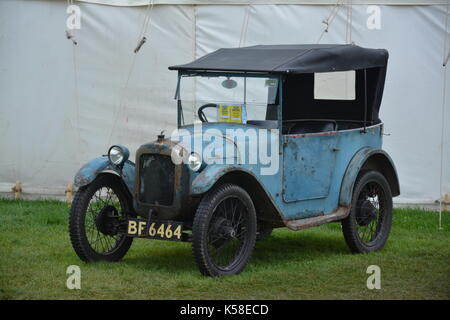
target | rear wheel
[
  {"x": 97, "y": 220},
  {"x": 224, "y": 231},
  {"x": 368, "y": 224}
]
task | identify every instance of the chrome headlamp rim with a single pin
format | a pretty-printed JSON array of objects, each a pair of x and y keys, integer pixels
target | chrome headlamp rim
[
  {"x": 194, "y": 161},
  {"x": 120, "y": 157}
]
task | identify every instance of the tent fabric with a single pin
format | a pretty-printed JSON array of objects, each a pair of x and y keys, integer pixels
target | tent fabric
[
  {"x": 292, "y": 59},
  {"x": 62, "y": 105},
  {"x": 259, "y": 2}
]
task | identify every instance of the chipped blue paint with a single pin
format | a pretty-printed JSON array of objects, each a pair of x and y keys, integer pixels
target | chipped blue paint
[
  {"x": 206, "y": 179},
  {"x": 308, "y": 165},
  {"x": 93, "y": 168},
  {"x": 290, "y": 188}
]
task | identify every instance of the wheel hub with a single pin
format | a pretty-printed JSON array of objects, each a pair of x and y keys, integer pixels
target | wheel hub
[
  {"x": 107, "y": 220},
  {"x": 223, "y": 231},
  {"x": 366, "y": 213}
]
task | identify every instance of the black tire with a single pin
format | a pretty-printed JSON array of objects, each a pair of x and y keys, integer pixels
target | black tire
[
  {"x": 217, "y": 231},
  {"x": 87, "y": 216},
  {"x": 367, "y": 227}
]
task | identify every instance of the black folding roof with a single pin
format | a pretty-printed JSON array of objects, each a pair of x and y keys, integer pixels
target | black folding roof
[{"x": 305, "y": 58}]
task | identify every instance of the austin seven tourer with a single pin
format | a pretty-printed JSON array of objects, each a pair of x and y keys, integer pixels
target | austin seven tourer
[{"x": 267, "y": 136}]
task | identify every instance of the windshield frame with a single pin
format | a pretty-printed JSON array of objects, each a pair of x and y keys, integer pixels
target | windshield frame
[{"x": 187, "y": 73}]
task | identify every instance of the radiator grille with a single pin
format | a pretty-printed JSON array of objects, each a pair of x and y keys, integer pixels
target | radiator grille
[{"x": 156, "y": 174}]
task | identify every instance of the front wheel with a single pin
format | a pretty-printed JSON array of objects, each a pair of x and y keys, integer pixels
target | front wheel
[
  {"x": 367, "y": 226},
  {"x": 224, "y": 231},
  {"x": 97, "y": 219}
]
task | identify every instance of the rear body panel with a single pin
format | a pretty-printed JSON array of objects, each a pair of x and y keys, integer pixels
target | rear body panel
[{"x": 327, "y": 174}]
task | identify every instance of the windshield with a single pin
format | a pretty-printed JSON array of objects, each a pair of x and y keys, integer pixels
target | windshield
[{"x": 235, "y": 99}]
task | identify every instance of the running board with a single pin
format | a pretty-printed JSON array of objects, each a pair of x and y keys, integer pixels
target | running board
[{"x": 340, "y": 213}]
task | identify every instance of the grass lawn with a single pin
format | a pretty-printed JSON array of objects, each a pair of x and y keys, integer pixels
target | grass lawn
[{"x": 313, "y": 264}]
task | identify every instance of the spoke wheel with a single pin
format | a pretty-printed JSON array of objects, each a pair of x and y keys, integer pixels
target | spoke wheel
[
  {"x": 98, "y": 218},
  {"x": 102, "y": 221},
  {"x": 370, "y": 209},
  {"x": 224, "y": 231},
  {"x": 368, "y": 225}
]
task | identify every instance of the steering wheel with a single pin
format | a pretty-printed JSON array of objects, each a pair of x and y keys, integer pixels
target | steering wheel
[{"x": 201, "y": 114}]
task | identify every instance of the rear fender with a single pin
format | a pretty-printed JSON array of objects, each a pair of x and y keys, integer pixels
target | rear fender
[
  {"x": 373, "y": 159},
  {"x": 101, "y": 165}
]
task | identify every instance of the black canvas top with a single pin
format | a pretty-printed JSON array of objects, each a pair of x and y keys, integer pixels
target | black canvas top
[{"x": 305, "y": 58}]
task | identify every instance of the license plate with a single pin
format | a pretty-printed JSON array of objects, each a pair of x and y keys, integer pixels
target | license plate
[{"x": 163, "y": 230}]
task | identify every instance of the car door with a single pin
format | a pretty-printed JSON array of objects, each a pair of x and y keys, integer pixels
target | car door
[{"x": 308, "y": 163}]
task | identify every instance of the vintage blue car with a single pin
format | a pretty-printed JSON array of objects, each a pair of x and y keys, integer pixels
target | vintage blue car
[{"x": 268, "y": 136}]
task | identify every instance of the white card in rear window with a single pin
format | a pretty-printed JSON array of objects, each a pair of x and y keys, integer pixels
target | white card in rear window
[{"x": 334, "y": 85}]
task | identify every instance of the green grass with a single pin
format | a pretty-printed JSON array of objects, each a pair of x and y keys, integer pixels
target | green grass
[{"x": 313, "y": 264}]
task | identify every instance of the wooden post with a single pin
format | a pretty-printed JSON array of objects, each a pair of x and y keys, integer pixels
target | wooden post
[
  {"x": 69, "y": 192},
  {"x": 446, "y": 202},
  {"x": 17, "y": 189}
]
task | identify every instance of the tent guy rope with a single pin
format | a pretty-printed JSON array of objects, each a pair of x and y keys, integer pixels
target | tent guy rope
[
  {"x": 333, "y": 13},
  {"x": 244, "y": 28},
  {"x": 142, "y": 39}
]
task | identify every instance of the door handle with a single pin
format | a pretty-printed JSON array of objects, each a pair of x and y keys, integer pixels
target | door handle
[{"x": 336, "y": 149}]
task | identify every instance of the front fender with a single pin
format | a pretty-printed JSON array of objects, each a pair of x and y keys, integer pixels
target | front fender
[
  {"x": 369, "y": 158},
  {"x": 209, "y": 176},
  {"x": 93, "y": 168}
]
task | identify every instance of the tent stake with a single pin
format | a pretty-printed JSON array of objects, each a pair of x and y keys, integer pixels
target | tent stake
[
  {"x": 446, "y": 202},
  {"x": 17, "y": 189},
  {"x": 69, "y": 192}
]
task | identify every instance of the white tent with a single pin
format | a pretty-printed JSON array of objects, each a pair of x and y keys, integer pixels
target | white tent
[{"x": 63, "y": 104}]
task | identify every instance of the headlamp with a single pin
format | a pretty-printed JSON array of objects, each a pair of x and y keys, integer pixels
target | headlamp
[
  {"x": 194, "y": 161},
  {"x": 118, "y": 154}
]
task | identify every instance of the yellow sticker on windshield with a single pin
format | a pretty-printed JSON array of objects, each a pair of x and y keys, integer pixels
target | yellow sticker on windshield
[{"x": 231, "y": 113}]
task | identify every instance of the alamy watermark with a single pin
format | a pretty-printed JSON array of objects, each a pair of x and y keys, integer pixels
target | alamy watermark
[
  {"x": 373, "y": 22},
  {"x": 74, "y": 278},
  {"x": 74, "y": 19},
  {"x": 374, "y": 280},
  {"x": 238, "y": 146},
  {"x": 73, "y": 22}
]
